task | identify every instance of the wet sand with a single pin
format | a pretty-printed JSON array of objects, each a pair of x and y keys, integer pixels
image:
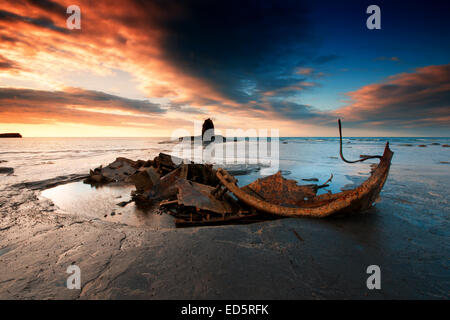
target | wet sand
[{"x": 282, "y": 259}]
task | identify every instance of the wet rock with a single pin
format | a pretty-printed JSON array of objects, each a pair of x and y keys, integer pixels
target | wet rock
[
  {"x": 97, "y": 178},
  {"x": 118, "y": 171},
  {"x": 141, "y": 173},
  {"x": 124, "y": 203},
  {"x": 422, "y": 145},
  {"x": 311, "y": 179},
  {"x": 50, "y": 183},
  {"x": 6, "y": 170}
]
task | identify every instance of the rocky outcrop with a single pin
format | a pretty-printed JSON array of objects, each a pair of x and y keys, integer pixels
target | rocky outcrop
[
  {"x": 6, "y": 170},
  {"x": 138, "y": 172},
  {"x": 208, "y": 130},
  {"x": 10, "y": 135},
  {"x": 118, "y": 171}
]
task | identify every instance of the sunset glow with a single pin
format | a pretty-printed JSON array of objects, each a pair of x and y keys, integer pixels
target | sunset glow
[{"x": 148, "y": 68}]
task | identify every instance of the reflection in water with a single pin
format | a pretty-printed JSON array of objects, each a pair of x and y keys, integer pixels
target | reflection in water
[{"x": 101, "y": 203}]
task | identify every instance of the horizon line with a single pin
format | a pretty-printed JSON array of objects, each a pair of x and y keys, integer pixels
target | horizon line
[{"x": 281, "y": 137}]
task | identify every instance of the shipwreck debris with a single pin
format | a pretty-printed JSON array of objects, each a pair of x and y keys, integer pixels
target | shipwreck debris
[
  {"x": 297, "y": 235},
  {"x": 285, "y": 199},
  {"x": 278, "y": 190},
  {"x": 201, "y": 197},
  {"x": 145, "y": 178},
  {"x": 198, "y": 195},
  {"x": 164, "y": 188}
]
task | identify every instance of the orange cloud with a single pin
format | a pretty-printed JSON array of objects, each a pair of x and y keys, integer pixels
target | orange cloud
[
  {"x": 406, "y": 100},
  {"x": 72, "y": 105},
  {"x": 305, "y": 71}
]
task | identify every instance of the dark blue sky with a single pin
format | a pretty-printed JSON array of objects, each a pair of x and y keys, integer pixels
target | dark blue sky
[
  {"x": 302, "y": 58},
  {"x": 413, "y": 34}
]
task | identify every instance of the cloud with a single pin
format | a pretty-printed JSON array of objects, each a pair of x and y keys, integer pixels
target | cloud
[
  {"x": 72, "y": 105},
  {"x": 305, "y": 71},
  {"x": 6, "y": 64},
  {"x": 296, "y": 111},
  {"x": 49, "y": 6},
  {"x": 43, "y": 22},
  {"x": 230, "y": 44},
  {"x": 8, "y": 39},
  {"x": 396, "y": 59},
  {"x": 408, "y": 100},
  {"x": 225, "y": 54}
]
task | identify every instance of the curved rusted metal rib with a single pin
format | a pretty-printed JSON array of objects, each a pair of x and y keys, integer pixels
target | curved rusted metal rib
[
  {"x": 357, "y": 199},
  {"x": 325, "y": 184},
  {"x": 342, "y": 155}
]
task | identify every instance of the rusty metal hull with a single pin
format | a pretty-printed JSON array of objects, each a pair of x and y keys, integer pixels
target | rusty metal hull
[{"x": 358, "y": 199}]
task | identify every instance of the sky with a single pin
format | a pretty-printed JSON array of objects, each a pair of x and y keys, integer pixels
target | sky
[{"x": 148, "y": 68}]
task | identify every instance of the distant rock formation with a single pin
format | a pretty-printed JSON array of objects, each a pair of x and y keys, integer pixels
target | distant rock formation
[
  {"x": 10, "y": 135},
  {"x": 208, "y": 128},
  {"x": 208, "y": 135}
]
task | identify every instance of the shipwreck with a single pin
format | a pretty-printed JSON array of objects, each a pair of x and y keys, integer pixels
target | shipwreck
[{"x": 198, "y": 194}]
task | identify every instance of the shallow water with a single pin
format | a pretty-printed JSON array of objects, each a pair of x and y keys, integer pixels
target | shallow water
[{"x": 101, "y": 203}]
